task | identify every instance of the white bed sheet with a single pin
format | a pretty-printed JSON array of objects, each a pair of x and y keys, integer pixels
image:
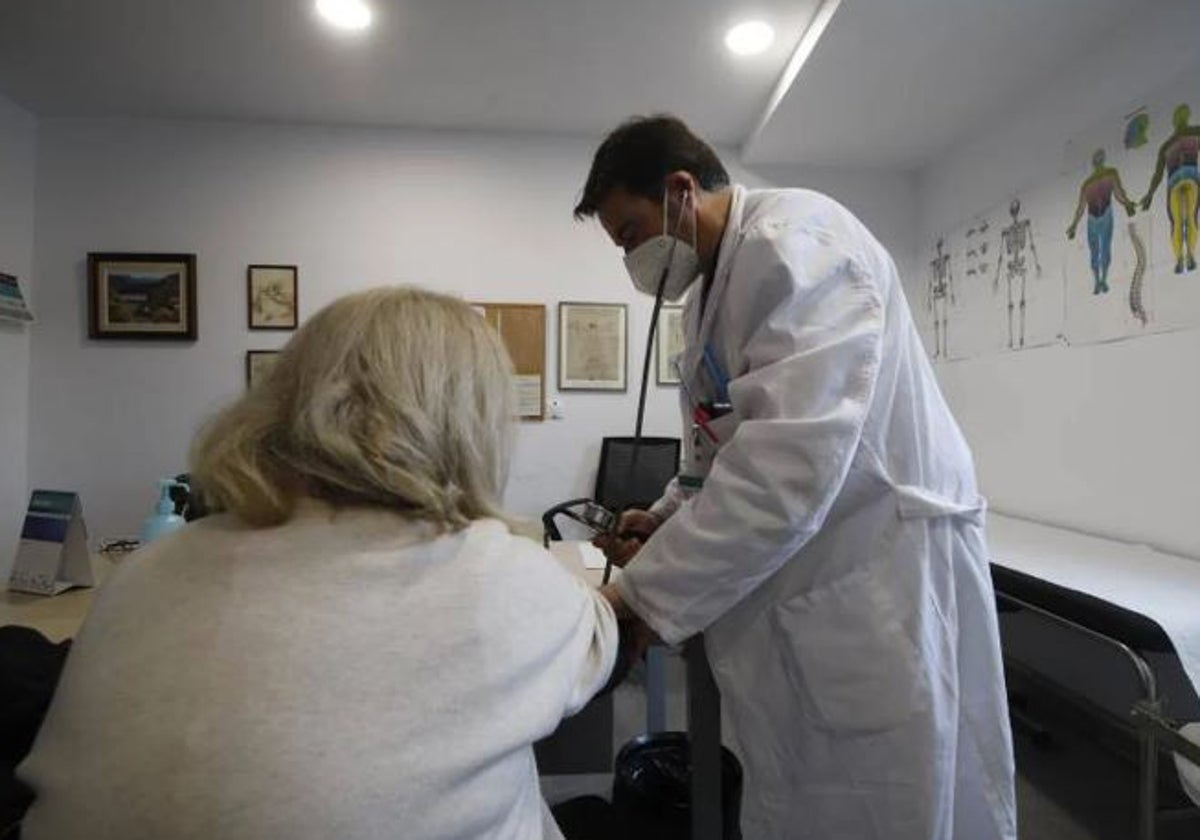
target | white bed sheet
[
  {"x": 1189, "y": 774},
  {"x": 1162, "y": 587}
]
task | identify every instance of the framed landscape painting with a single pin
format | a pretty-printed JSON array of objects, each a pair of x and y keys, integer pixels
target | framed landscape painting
[{"x": 142, "y": 296}]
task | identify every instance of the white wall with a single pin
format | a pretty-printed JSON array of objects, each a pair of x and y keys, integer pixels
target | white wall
[
  {"x": 17, "y": 156},
  {"x": 1102, "y": 438},
  {"x": 485, "y": 216},
  {"x": 885, "y": 201},
  {"x": 488, "y": 218}
]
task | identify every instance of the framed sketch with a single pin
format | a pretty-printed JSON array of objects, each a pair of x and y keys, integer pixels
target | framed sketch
[
  {"x": 592, "y": 346},
  {"x": 668, "y": 346},
  {"x": 258, "y": 364},
  {"x": 272, "y": 297},
  {"x": 142, "y": 296}
]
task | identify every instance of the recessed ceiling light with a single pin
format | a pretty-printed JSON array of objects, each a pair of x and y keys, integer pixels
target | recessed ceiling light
[
  {"x": 345, "y": 14},
  {"x": 749, "y": 38}
]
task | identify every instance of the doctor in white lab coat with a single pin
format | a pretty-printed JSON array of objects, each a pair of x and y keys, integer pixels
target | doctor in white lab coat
[{"x": 825, "y": 532}]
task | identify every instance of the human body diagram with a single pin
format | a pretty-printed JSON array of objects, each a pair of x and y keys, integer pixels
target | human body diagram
[
  {"x": 1014, "y": 238},
  {"x": 940, "y": 298}
]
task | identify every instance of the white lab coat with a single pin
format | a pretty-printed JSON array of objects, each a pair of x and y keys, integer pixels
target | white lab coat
[{"x": 834, "y": 556}]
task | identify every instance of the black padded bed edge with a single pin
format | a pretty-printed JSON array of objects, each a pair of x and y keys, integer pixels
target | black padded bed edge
[{"x": 1134, "y": 629}]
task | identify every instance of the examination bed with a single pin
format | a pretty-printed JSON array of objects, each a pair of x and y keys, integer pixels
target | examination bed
[{"x": 1131, "y": 599}]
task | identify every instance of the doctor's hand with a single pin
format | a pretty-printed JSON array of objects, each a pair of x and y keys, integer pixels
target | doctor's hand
[{"x": 633, "y": 529}]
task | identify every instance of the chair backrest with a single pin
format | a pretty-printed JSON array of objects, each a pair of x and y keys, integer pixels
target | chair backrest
[{"x": 657, "y": 463}]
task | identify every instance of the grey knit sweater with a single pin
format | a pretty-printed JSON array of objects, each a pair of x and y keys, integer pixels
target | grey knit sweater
[{"x": 346, "y": 675}]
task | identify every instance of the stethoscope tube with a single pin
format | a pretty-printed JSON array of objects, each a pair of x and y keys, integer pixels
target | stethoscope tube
[{"x": 641, "y": 409}]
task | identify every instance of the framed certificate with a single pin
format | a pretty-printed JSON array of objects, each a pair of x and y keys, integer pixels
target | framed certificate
[{"x": 592, "y": 347}]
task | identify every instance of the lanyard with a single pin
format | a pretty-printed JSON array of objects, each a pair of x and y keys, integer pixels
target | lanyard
[
  {"x": 704, "y": 413},
  {"x": 717, "y": 374}
]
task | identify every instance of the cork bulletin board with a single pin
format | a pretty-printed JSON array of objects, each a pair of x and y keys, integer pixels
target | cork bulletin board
[{"x": 522, "y": 327}]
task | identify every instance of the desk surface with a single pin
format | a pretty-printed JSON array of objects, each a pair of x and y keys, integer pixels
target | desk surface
[
  {"x": 57, "y": 617},
  {"x": 581, "y": 558}
]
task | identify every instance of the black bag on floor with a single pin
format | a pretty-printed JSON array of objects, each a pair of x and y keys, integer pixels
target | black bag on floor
[
  {"x": 652, "y": 789},
  {"x": 584, "y": 818}
]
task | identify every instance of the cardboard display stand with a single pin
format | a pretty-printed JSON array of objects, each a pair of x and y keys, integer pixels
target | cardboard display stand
[{"x": 53, "y": 553}]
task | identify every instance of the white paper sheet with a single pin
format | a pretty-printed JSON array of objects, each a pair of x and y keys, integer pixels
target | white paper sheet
[{"x": 529, "y": 395}]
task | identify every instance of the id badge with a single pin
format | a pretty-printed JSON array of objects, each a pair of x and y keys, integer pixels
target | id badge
[{"x": 702, "y": 449}]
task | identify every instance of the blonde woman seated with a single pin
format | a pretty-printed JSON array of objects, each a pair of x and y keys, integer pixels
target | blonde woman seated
[{"x": 357, "y": 647}]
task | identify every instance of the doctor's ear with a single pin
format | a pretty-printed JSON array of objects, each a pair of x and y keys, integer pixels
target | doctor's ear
[{"x": 681, "y": 186}]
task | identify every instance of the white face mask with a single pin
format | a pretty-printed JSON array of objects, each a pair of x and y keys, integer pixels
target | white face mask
[{"x": 665, "y": 260}]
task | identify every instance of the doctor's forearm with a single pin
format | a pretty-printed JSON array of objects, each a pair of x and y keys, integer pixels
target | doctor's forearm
[{"x": 722, "y": 544}]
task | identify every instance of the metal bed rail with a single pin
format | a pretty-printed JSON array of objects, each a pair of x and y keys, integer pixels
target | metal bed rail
[{"x": 1147, "y": 715}]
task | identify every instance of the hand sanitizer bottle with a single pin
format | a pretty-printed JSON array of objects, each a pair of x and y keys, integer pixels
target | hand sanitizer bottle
[{"x": 164, "y": 520}]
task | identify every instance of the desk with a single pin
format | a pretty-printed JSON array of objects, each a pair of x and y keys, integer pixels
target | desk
[
  {"x": 580, "y": 557},
  {"x": 57, "y": 617}
]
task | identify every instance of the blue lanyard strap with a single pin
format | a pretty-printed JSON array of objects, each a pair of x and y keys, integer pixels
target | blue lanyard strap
[{"x": 717, "y": 373}]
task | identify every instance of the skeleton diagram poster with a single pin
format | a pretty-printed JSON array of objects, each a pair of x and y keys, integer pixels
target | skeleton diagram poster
[
  {"x": 957, "y": 296},
  {"x": 1105, "y": 252},
  {"x": 994, "y": 284},
  {"x": 1132, "y": 230},
  {"x": 1028, "y": 279}
]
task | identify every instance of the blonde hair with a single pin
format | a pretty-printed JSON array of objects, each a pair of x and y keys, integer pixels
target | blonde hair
[{"x": 394, "y": 397}]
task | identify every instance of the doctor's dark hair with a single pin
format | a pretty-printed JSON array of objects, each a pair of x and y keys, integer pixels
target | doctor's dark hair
[{"x": 640, "y": 154}]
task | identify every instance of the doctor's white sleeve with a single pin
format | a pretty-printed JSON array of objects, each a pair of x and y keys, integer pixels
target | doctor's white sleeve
[
  {"x": 672, "y": 498},
  {"x": 811, "y": 362}
]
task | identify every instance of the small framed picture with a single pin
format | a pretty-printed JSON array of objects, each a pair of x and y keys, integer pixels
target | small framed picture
[
  {"x": 592, "y": 347},
  {"x": 259, "y": 364},
  {"x": 668, "y": 344},
  {"x": 272, "y": 297},
  {"x": 142, "y": 296}
]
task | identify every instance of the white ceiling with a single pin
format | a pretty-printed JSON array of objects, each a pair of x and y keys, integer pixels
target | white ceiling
[
  {"x": 894, "y": 82},
  {"x": 561, "y": 66},
  {"x": 891, "y": 83}
]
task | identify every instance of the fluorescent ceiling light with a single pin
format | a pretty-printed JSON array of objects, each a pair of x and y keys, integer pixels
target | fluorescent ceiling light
[
  {"x": 345, "y": 14},
  {"x": 749, "y": 38},
  {"x": 804, "y": 48}
]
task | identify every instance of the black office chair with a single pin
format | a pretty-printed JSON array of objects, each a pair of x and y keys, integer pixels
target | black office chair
[{"x": 618, "y": 487}]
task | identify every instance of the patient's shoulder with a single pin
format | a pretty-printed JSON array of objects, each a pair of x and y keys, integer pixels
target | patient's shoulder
[{"x": 512, "y": 557}]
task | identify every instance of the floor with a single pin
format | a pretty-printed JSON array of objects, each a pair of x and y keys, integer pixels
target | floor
[
  {"x": 1071, "y": 787},
  {"x": 1078, "y": 785}
]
